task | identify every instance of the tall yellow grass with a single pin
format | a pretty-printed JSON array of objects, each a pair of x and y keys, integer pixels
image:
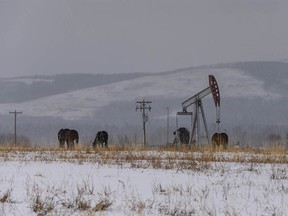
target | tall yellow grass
[{"x": 116, "y": 154}]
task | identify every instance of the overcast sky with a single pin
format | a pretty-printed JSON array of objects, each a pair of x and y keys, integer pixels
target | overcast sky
[{"x": 112, "y": 36}]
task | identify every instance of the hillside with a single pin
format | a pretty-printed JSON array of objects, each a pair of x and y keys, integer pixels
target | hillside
[{"x": 252, "y": 93}]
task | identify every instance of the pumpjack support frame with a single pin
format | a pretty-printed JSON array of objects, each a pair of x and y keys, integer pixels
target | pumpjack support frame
[{"x": 196, "y": 100}]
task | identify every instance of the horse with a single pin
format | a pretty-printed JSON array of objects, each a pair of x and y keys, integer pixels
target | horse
[
  {"x": 219, "y": 139},
  {"x": 182, "y": 135},
  {"x": 68, "y": 136},
  {"x": 71, "y": 137},
  {"x": 62, "y": 137},
  {"x": 100, "y": 139}
]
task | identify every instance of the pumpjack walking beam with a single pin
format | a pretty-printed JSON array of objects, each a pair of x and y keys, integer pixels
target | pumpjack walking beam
[{"x": 196, "y": 100}]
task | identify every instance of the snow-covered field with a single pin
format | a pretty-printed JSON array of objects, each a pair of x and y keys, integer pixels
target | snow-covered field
[{"x": 141, "y": 183}]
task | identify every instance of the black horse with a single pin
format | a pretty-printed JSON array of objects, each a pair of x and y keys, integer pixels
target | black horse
[
  {"x": 100, "y": 139},
  {"x": 182, "y": 135},
  {"x": 68, "y": 136},
  {"x": 62, "y": 137},
  {"x": 219, "y": 139}
]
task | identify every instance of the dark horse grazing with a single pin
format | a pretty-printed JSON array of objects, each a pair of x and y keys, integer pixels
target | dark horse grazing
[
  {"x": 68, "y": 136},
  {"x": 72, "y": 136},
  {"x": 183, "y": 134},
  {"x": 100, "y": 139},
  {"x": 62, "y": 137},
  {"x": 219, "y": 139}
]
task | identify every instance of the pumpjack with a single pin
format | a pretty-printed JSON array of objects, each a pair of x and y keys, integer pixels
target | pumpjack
[{"x": 196, "y": 100}]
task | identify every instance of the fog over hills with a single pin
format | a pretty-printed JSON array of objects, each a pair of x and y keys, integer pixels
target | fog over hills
[{"x": 253, "y": 95}]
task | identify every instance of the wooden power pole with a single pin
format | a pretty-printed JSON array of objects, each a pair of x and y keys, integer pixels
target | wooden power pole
[
  {"x": 15, "y": 134},
  {"x": 143, "y": 106}
]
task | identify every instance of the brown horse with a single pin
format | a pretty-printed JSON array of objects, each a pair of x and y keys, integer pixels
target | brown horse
[
  {"x": 219, "y": 139},
  {"x": 71, "y": 137},
  {"x": 68, "y": 136}
]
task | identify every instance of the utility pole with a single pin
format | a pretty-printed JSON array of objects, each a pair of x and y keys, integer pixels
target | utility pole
[
  {"x": 143, "y": 106},
  {"x": 15, "y": 116}
]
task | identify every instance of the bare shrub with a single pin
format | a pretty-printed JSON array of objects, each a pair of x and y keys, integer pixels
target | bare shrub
[
  {"x": 86, "y": 188},
  {"x": 134, "y": 203},
  {"x": 176, "y": 200},
  {"x": 102, "y": 205},
  {"x": 83, "y": 200},
  {"x": 41, "y": 205},
  {"x": 138, "y": 206},
  {"x": 79, "y": 202},
  {"x": 82, "y": 204},
  {"x": 105, "y": 200},
  {"x": 6, "y": 197}
]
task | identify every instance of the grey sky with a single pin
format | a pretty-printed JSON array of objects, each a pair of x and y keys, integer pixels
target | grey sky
[{"x": 112, "y": 36}]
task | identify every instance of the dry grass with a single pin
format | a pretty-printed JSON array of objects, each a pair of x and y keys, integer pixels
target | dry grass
[{"x": 139, "y": 156}]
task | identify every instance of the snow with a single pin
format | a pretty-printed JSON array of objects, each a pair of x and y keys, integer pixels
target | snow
[
  {"x": 82, "y": 103},
  {"x": 65, "y": 180},
  {"x": 30, "y": 81}
]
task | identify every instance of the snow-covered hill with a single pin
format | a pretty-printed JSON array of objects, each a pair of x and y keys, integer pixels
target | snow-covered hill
[
  {"x": 254, "y": 102},
  {"x": 234, "y": 83}
]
